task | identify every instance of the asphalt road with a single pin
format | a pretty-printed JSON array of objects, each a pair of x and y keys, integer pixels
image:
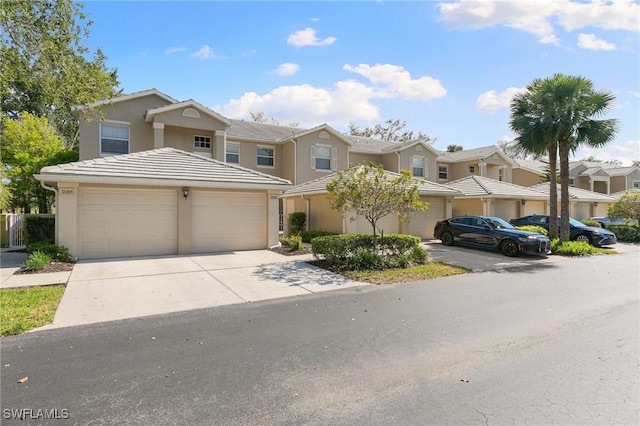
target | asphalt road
[{"x": 555, "y": 343}]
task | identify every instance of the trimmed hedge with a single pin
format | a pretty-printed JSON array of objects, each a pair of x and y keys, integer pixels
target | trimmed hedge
[
  {"x": 307, "y": 236},
  {"x": 625, "y": 233},
  {"x": 297, "y": 222},
  {"x": 55, "y": 252},
  {"x": 356, "y": 251},
  {"x": 38, "y": 228}
]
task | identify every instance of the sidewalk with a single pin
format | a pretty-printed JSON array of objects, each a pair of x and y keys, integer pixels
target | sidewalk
[{"x": 10, "y": 263}]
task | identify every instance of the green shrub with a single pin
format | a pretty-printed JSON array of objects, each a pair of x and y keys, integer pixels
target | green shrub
[
  {"x": 307, "y": 236},
  {"x": 575, "y": 248},
  {"x": 365, "y": 259},
  {"x": 625, "y": 233},
  {"x": 55, "y": 252},
  {"x": 355, "y": 250},
  {"x": 36, "y": 261},
  {"x": 39, "y": 228},
  {"x": 297, "y": 222},
  {"x": 591, "y": 222},
  {"x": 534, "y": 228},
  {"x": 294, "y": 242}
]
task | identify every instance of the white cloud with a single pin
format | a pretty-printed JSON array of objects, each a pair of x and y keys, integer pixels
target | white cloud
[
  {"x": 171, "y": 50},
  {"x": 307, "y": 37},
  {"x": 205, "y": 52},
  {"x": 393, "y": 81},
  {"x": 493, "y": 101},
  {"x": 625, "y": 152},
  {"x": 536, "y": 16},
  {"x": 348, "y": 100},
  {"x": 287, "y": 69},
  {"x": 591, "y": 42},
  {"x": 308, "y": 105}
]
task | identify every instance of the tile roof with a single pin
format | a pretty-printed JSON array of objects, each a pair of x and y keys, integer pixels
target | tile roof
[
  {"x": 535, "y": 166},
  {"x": 578, "y": 194},
  {"x": 319, "y": 186},
  {"x": 267, "y": 132},
  {"x": 469, "y": 154},
  {"x": 164, "y": 166},
  {"x": 478, "y": 186}
]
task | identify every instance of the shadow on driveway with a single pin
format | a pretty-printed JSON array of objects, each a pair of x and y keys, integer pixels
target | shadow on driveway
[{"x": 301, "y": 273}]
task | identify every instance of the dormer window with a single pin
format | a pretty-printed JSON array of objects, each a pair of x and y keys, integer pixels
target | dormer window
[
  {"x": 417, "y": 166},
  {"x": 202, "y": 141},
  {"x": 472, "y": 170}
]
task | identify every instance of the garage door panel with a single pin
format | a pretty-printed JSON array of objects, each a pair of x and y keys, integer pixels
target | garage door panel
[
  {"x": 118, "y": 222},
  {"x": 228, "y": 221},
  {"x": 421, "y": 224}
]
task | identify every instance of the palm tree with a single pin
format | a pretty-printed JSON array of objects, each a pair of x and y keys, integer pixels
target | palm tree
[{"x": 561, "y": 113}]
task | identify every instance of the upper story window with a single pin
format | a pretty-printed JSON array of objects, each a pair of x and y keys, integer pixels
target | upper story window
[
  {"x": 443, "y": 172},
  {"x": 114, "y": 139},
  {"x": 636, "y": 184},
  {"x": 265, "y": 157},
  {"x": 572, "y": 182},
  {"x": 233, "y": 153},
  {"x": 323, "y": 157},
  {"x": 202, "y": 141},
  {"x": 417, "y": 166},
  {"x": 500, "y": 174},
  {"x": 472, "y": 170}
]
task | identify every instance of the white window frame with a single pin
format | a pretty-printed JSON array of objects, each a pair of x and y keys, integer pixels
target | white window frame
[
  {"x": 500, "y": 174},
  {"x": 333, "y": 161},
  {"x": 636, "y": 184},
  {"x": 116, "y": 124},
  {"x": 206, "y": 141},
  {"x": 423, "y": 166},
  {"x": 472, "y": 169},
  {"x": 272, "y": 157},
  {"x": 227, "y": 153},
  {"x": 445, "y": 170}
]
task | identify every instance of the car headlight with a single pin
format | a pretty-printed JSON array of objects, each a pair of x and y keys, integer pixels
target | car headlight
[{"x": 528, "y": 238}]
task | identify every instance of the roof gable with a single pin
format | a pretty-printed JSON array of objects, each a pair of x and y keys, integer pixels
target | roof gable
[
  {"x": 473, "y": 154},
  {"x": 130, "y": 96},
  {"x": 164, "y": 166},
  {"x": 577, "y": 193},
  {"x": 197, "y": 107}
]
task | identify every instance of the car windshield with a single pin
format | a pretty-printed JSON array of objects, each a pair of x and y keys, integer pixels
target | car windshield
[
  {"x": 498, "y": 223},
  {"x": 574, "y": 222}
]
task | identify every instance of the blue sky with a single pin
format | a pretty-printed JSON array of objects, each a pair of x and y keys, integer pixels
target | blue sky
[{"x": 449, "y": 69}]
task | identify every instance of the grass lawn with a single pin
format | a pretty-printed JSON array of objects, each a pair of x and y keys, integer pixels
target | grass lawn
[
  {"x": 22, "y": 309},
  {"x": 416, "y": 273}
]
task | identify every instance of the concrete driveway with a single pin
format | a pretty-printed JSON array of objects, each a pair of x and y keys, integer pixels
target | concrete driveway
[{"x": 107, "y": 290}]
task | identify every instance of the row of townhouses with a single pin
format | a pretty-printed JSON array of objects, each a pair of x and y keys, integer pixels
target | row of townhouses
[{"x": 160, "y": 176}]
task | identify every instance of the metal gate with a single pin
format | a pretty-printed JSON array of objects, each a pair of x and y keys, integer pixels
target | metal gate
[{"x": 15, "y": 223}]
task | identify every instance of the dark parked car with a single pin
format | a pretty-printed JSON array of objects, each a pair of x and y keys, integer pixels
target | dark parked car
[
  {"x": 490, "y": 232},
  {"x": 578, "y": 231},
  {"x": 606, "y": 220}
]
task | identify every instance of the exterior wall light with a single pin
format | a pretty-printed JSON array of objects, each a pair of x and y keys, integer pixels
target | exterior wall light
[{"x": 185, "y": 192}]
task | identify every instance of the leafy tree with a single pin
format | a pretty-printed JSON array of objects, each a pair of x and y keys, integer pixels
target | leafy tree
[
  {"x": 367, "y": 190},
  {"x": 592, "y": 159},
  {"x": 393, "y": 132},
  {"x": 546, "y": 177},
  {"x": 454, "y": 148},
  {"x": 561, "y": 112},
  {"x": 29, "y": 144},
  {"x": 636, "y": 163},
  {"x": 44, "y": 66},
  {"x": 627, "y": 206},
  {"x": 259, "y": 117}
]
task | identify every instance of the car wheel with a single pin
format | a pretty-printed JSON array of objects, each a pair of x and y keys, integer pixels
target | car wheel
[
  {"x": 447, "y": 238},
  {"x": 509, "y": 248},
  {"x": 582, "y": 238}
]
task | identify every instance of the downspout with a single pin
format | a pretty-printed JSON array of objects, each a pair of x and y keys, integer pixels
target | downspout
[
  {"x": 55, "y": 191},
  {"x": 295, "y": 161},
  {"x": 398, "y": 155}
]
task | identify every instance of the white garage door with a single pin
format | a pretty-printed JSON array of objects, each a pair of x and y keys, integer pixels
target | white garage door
[
  {"x": 422, "y": 223},
  {"x": 506, "y": 209},
  {"x": 126, "y": 222},
  {"x": 224, "y": 221}
]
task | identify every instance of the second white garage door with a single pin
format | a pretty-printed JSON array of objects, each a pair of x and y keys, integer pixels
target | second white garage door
[
  {"x": 224, "y": 221},
  {"x": 422, "y": 223}
]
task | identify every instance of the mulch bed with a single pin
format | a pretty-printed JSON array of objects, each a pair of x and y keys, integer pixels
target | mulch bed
[
  {"x": 53, "y": 267},
  {"x": 286, "y": 251}
]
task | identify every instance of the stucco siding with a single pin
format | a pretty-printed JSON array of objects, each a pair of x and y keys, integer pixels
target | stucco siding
[
  {"x": 356, "y": 158},
  {"x": 524, "y": 177},
  {"x": 304, "y": 166}
]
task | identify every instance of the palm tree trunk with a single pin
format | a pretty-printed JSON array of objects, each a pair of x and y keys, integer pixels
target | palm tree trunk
[
  {"x": 553, "y": 191},
  {"x": 563, "y": 150}
]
